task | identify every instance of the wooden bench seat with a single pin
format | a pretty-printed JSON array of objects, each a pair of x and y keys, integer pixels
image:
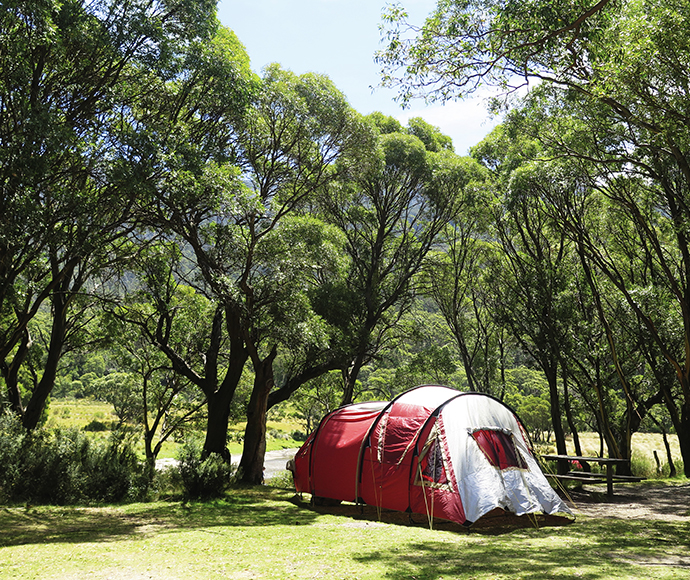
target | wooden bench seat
[
  {"x": 593, "y": 478},
  {"x": 580, "y": 478},
  {"x": 627, "y": 478},
  {"x": 616, "y": 477},
  {"x": 587, "y": 474}
]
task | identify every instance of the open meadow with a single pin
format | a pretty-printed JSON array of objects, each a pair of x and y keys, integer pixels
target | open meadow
[{"x": 78, "y": 414}]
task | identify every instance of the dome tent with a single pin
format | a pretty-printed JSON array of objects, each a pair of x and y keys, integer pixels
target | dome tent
[{"x": 433, "y": 451}]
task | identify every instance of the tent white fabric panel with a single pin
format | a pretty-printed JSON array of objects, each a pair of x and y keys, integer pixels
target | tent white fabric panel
[{"x": 482, "y": 486}]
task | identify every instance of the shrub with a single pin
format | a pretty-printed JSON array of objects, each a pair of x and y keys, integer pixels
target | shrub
[
  {"x": 63, "y": 466},
  {"x": 166, "y": 483},
  {"x": 202, "y": 478},
  {"x": 282, "y": 480},
  {"x": 111, "y": 469},
  {"x": 680, "y": 468},
  {"x": 299, "y": 436},
  {"x": 11, "y": 443},
  {"x": 95, "y": 426},
  {"x": 643, "y": 466}
]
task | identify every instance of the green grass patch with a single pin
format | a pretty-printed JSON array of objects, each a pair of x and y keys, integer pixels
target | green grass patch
[
  {"x": 78, "y": 413},
  {"x": 261, "y": 533},
  {"x": 81, "y": 413}
]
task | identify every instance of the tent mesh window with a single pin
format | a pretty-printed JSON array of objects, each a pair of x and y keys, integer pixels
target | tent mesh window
[
  {"x": 433, "y": 469},
  {"x": 499, "y": 448}
]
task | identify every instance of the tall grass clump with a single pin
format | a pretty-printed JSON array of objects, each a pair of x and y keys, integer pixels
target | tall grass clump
[
  {"x": 282, "y": 480},
  {"x": 203, "y": 477},
  {"x": 63, "y": 466},
  {"x": 644, "y": 466}
]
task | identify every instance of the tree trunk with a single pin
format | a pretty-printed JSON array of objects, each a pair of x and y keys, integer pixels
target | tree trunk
[
  {"x": 350, "y": 379},
  {"x": 466, "y": 362},
  {"x": 679, "y": 417},
  {"x": 625, "y": 449},
  {"x": 605, "y": 433},
  {"x": 35, "y": 407},
  {"x": 571, "y": 420},
  {"x": 219, "y": 397},
  {"x": 684, "y": 438},
  {"x": 638, "y": 411},
  {"x": 218, "y": 416},
  {"x": 559, "y": 433},
  {"x": 10, "y": 373},
  {"x": 669, "y": 456},
  {"x": 252, "y": 462},
  {"x": 502, "y": 359}
]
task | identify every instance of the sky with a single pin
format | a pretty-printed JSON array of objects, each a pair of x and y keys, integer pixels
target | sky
[{"x": 338, "y": 38}]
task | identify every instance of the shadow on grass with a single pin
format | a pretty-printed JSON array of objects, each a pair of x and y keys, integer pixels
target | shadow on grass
[
  {"x": 497, "y": 522},
  {"x": 595, "y": 550},
  {"x": 241, "y": 507},
  {"x": 259, "y": 506}
]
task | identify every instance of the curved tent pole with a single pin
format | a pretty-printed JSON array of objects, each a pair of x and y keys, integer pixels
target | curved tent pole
[
  {"x": 436, "y": 413},
  {"x": 432, "y": 416},
  {"x": 366, "y": 440}
]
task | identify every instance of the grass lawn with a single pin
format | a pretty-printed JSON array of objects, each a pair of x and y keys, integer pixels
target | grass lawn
[{"x": 259, "y": 533}]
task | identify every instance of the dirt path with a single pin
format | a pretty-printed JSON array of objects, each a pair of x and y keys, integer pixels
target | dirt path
[
  {"x": 634, "y": 501},
  {"x": 274, "y": 462}
]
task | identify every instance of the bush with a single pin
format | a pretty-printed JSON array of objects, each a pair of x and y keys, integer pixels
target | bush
[
  {"x": 643, "y": 466},
  {"x": 96, "y": 426},
  {"x": 63, "y": 466},
  {"x": 299, "y": 436},
  {"x": 111, "y": 469},
  {"x": 282, "y": 480},
  {"x": 203, "y": 478},
  {"x": 11, "y": 443}
]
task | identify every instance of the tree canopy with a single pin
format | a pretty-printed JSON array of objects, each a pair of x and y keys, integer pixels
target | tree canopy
[{"x": 231, "y": 243}]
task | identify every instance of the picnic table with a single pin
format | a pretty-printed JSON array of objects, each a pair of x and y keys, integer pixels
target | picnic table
[{"x": 587, "y": 477}]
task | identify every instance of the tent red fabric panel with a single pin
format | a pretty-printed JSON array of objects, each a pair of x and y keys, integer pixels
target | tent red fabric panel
[
  {"x": 386, "y": 469},
  {"x": 336, "y": 448},
  {"x": 385, "y": 479},
  {"x": 433, "y": 483},
  {"x": 301, "y": 473}
]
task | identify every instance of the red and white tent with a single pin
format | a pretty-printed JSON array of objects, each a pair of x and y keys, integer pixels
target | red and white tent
[{"x": 433, "y": 451}]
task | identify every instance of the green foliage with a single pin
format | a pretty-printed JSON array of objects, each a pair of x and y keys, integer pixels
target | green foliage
[
  {"x": 464, "y": 45},
  {"x": 316, "y": 399},
  {"x": 96, "y": 426},
  {"x": 203, "y": 478},
  {"x": 431, "y": 136},
  {"x": 383, "y": 123},
  {"x": 63, "y": 466},
  {"x": 527, "y": 392},
  {"x": 282, "y": 480}
]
